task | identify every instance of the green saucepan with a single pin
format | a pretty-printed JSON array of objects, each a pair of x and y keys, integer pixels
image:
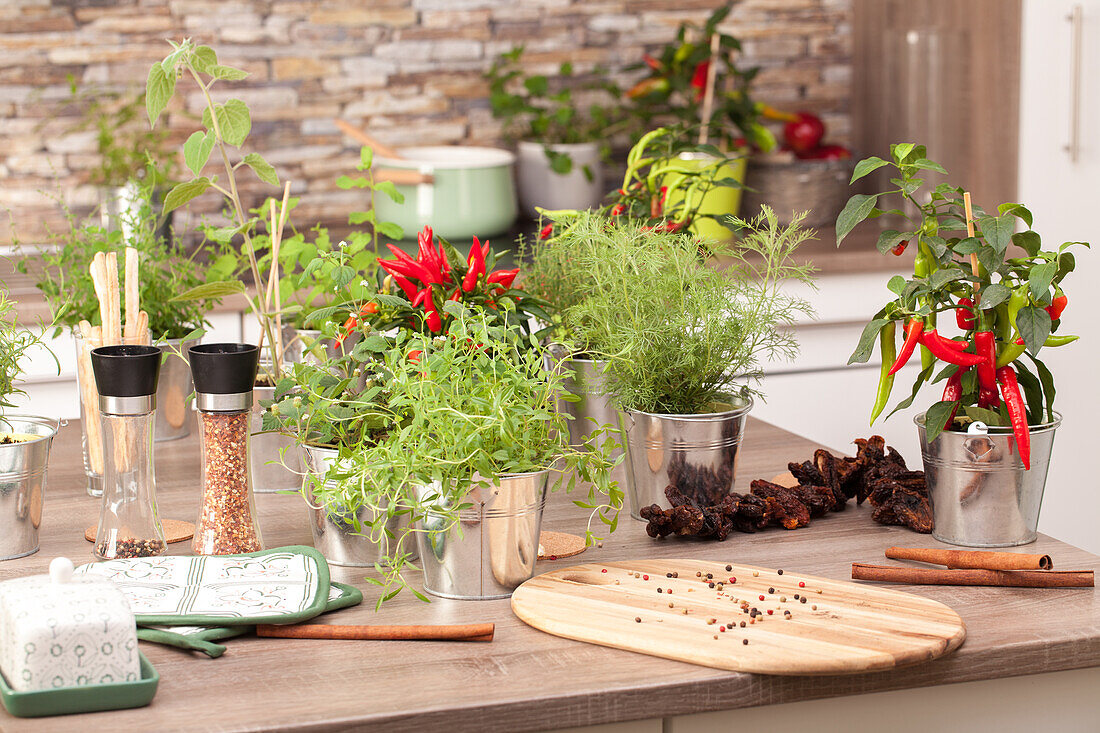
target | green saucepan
[{"x": 465, "y": 191}]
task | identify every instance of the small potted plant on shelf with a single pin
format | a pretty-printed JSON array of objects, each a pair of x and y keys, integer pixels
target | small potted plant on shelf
[
  {"x": 561, "y": 147},
  {"x": 474, "y": 446},
  {"x": 683, "y": 339},
  {"x": 986, "y": 443},
  {"x": 25, "y": 441},
  {"x": 165, "y": 268}
]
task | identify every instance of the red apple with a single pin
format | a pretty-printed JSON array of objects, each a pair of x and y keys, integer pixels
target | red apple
[
  {"x": 827, "y": 152},
  {"x": 804, "y": 133}
]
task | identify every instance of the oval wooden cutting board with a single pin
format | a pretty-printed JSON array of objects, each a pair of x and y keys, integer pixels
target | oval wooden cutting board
[{"x": 855, "y": 628}]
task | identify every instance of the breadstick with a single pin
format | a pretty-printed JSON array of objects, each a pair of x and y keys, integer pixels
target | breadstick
[
  {"x": 98, "y": 270},
  {"x": 132, "y": 285},
  {"x": 112, "y": 330},
  {"x": 90, "y": 398}
]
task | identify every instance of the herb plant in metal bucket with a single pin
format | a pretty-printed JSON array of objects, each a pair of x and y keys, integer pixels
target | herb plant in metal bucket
[
  {"x": 684, "y": 337},
  {"x": 986, "y": 443}
]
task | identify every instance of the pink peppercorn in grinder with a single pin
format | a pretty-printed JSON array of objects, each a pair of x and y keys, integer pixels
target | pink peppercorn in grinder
[
  {"x": 126, "y": 379},
  {"x": 224, "y": 376}
]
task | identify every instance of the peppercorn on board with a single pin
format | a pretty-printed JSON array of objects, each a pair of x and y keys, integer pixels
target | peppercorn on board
[{"x": 793, "y": 624}]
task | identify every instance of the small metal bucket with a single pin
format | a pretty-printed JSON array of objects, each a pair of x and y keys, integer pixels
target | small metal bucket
[
  {"x": 276, "y": 460},
  {"x": 23, "y": 483},
  {"x": 173, "y": 418},
  {"x": 333, "y": 526},
  {"x": 981, "y": 495},
  {"x": 493, "y": 546},
  {"x": 593, "y": 406},
  {"x": 696, "y": 453},
  {"x": 310, "y": 347}
]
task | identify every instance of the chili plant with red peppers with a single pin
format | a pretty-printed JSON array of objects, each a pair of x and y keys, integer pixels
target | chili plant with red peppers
[
  {"x": 1003, "y": 288},
  {"x": 412, "y": 291}
]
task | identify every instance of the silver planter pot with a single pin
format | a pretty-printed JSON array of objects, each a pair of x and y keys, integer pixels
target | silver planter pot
[
  {"x": 23, "y": 483},
  {"x": 981, "y": 495},
  {"x": 492, "y": 548},
  {"x": 173, "y": 418},
  {"x": 120, "y": 209},
  {"x": 333, "y": 526},
  {"x": 695, "y": 453},
  {"x": 307, "y": 346},
  {"x": 592, "y": 407},
  {"x": 275, "y": 458}
]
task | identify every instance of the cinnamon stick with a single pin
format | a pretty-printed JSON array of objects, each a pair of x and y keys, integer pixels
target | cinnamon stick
[
  {"x": 977, "y": 559},
  {"x": 468, "y": 632},
  {"x": 974, "y": 576}
]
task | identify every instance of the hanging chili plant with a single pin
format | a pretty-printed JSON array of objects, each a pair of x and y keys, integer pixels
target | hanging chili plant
[{"x": 1008, "y": 303}]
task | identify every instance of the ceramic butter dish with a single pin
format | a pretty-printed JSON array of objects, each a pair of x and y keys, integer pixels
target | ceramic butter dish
[{"x": 60, "y": 632}]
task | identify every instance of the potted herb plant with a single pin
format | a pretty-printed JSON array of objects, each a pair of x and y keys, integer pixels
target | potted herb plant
[
  {"x": 683, "y": 339},
  {"x": 986, "y": 443},
  {"x": 63, "y": 275},
  {"x": 476, "y": 446},
  {"x": 561, "y": 147},
  {"x": 25, "y": 442}
]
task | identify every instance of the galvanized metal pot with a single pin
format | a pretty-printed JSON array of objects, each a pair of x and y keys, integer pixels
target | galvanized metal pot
[
  {"x": 276, "y": 460},
  {"x": 173, "y": 418},
  {"x": 333, "y": 527},
  {"x": 695, "y": 453},
  {"x": 493, "y": 546},
  {"x": 981, "y": 495},
  {"x": 586, "y": 382},
  {"x": 23, "y": 482},
  {"x": 120, "y": 209}
]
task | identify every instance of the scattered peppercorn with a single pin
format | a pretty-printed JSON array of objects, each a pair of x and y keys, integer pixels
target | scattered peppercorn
[
  {"x": 769, "y": 612},
  {"x": 755, "y": 574},
  {"x": 660, "y": 591},
  {"x": 721, "y": 628},
  {"x": 709, "y": 576},
  {"x": 668, "y": 575},
  {"x": 710, "y": 585},
  {"x": 782, "y": 599},
  {"x": 742, "y": 624},
  {"x": 745, "y": 642},
  {"x": 638, "y": 619},
  {"x": 698, "y": 574},
  {"x": 670, "y": 605},
  {"x": 761, "y": 597},
  {"x": 711, "y": 621},
  {"x": 796, "y": 596},
  {"x": 733, "y": 579},
  {"x": 599, "y": 544},
  {"x": 779, "y": 571},
  {"x": 803, "y": 599},
  {"x": 813, "y": 607},
  {"x": 771, "y": 590},
  {"x": 716, "y": 636},
  {"x": 645, "y": 577},
  {"x": 669, "y": 591},
  {"x": 675, "y": 574},
  {"x": 729, "y": 568},
  {"x": 818, "y": 590},
  {"x": 801, "y": 584},
  {"x": 604, "y": 570}
]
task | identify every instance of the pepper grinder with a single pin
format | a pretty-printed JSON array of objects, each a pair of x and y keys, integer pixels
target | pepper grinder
[
  {"x": 126, "y": 378},
  {"x": 224, "y": 376}
]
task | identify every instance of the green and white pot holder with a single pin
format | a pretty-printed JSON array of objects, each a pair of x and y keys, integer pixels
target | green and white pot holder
[{"x": 281, "y": 586}]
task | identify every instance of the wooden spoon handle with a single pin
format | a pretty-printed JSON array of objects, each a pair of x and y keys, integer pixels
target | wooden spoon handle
[
  {"x": 402, "y": 176},
  {"x": 468, "y": 632},
  {"x": 379, "y": 148}
]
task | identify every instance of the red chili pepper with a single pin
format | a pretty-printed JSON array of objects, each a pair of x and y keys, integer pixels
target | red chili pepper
[
  {"x": 406, "y": 287},
  {"x": 426, "y": 254},
  {"x": 434, "y": 321},
  {"x": 408, "y": 266},
  {"x": 1017, "y": 413},
  {"x": 617, "y": 209},
  {"x": 349, "y": 326},
  {"x": 1057, "y": 305},
  {"x": 504, "y": 278},
  {"x": 986, "y": 347},
  {"x": 964, "y": 314},
  {"x": 420, "y": 297},
  {"x": 899, "y": 248},
  {"x": 475, "y": 266},
  {"x": 370, "y": 307},
  {"x": 454, "y": 295},
  {"x": 414, "y": 356},
  {"x": 699, "y": 78},
  {"x": 936, "y": 344},
  {"x": 651, "y": 62},
  {"x": 952, "y": 392},
  {"x": 671, "y": 226},
  {"x": 912, "y": 338},
  {"x": 546, "y": 231}
]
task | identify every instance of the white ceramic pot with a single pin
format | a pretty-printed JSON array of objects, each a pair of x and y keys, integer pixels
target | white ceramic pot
[{"x": 540, "y": 186}]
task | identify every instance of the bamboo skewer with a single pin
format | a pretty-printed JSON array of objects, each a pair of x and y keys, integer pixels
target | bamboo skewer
[
  {"x": 708, "y": 93},
  {"x": 970, "y": 233}
]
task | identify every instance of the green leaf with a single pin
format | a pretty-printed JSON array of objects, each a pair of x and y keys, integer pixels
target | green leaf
[
  {"x": 184, "y": 192},
  {"x": 1033, "y": 392},
  {"x": 263, "y": 170},
  {"x": 921, "y": 379},
  {"x": 360, "y": 217},
  {"x": 939, "y": 278},
  {"x": 896, "y": 285},
  {"x": 928, "y": 165},
  {"x": 234, "y": 121},
  {"x": 866, "y": 166},
  {"x": 1047, "y": 380},
  {"x": 993, "y": 295},
  {"x": 222, "y": 235},
  {"x": 159, "y": 88},
  {"x": 1039, "y": 281},
  {"x": 998, "y": 231},
  {"x": 388, "y": 188},
  {"x": 1027, "y": 241},
  {"x": 323, "y": 314},
  {"x": 889, "y": 239},
  {"x": 228, "y": 73},
  {"x": 203, "y": 59},
  {"x": 536, "y": 85},
  {"x": 1017, "y": 210},
  {"x": 196, "y": 151},
  {"x": 366, "y": 158},
  {"x": 900, "y": 151},
  {"x": 981, "y": 414},
  {"x": 867, "y": 341},
  {"x": 935, "y": 419},
  {"x": 856, "y": 210},
  {"x": 389, "y": 230},
  {"x": 1034, "y": 326},
  {"x": 213, "y": 291},
  {"x": 967, "y": 246},
  {"x": 1067, "y": 263}
]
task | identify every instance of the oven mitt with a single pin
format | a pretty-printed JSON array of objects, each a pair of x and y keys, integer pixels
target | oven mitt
[
  {"x": 201, "y": 638},
  {"x": 280, "y": 586}
]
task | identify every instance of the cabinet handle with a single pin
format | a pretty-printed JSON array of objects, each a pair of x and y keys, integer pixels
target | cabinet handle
[{"x": 1074, "y": 147}]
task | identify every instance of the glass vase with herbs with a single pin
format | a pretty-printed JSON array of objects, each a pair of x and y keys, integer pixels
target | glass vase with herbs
[{"x": 986, "y": 443}]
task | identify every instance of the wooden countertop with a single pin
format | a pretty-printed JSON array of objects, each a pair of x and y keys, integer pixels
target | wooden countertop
[{"x": 525, "y": 679}]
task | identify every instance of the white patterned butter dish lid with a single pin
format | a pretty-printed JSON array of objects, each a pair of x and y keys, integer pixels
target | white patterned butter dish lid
[{"x": 57, "y": 631}]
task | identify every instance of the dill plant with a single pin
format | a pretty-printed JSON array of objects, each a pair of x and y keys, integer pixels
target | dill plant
[{"x": 681, "y": 333}]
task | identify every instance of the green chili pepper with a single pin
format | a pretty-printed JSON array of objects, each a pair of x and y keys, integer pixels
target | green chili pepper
[
  {"x": 885, "y": 377},
  {"x": 1055, "y": 340},
  {"x": 1002, "y": 328},
  {"x": 1010, "y": 352},
  {"x": 922, "y": 268},
  {"x": 1019, "y": 298}
]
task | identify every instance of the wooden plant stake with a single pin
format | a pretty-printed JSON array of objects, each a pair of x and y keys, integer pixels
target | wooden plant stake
[{"x": 708, "y": 93}]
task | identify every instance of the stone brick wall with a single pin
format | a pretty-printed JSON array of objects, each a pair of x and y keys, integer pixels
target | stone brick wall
[{"x": 407, "y": 70}]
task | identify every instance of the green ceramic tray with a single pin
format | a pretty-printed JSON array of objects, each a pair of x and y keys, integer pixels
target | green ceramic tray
[{"x": 83, "y": 699}]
